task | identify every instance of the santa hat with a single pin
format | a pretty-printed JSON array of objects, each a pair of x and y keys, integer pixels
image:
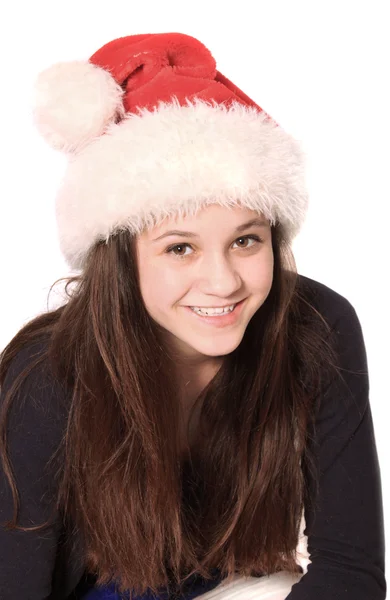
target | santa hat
[{"x": 153, "y": 130}]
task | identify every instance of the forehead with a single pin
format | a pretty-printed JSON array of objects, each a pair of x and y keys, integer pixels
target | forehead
[{"x": 209, "y": 216}]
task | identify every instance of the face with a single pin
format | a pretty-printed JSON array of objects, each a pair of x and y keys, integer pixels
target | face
[{"x": 219, "y": 264}]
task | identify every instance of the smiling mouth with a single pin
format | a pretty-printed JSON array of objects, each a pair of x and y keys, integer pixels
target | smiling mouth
[{"x": 225, "y": 306}]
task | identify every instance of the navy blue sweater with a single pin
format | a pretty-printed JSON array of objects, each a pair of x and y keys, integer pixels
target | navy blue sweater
[{"x": 345, "y": 535}]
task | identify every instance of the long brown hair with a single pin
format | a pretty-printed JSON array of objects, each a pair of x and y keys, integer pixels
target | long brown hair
[{"x": 147, "y": 519}]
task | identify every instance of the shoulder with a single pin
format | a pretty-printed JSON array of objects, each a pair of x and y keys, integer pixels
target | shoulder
[
  {"x": 25, "y": 359},
  {"x": 32, "y": 363},
  {"x": 38, "y": 412},
  {"x": 349, "y": 386},
  {"x": 340, "y": 314},
  {"x": 332, "y": 305}
]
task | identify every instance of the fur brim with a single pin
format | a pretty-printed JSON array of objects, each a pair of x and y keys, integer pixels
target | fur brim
[{"x": 175, "y": 160}]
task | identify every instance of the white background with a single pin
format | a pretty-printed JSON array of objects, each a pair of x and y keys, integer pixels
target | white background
[{"x": 320, "y": 69}]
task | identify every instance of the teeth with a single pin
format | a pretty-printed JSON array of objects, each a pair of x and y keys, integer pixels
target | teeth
[{"x": 212, "y": 311}]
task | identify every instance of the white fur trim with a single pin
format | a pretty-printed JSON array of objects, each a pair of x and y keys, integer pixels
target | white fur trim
[
  {"x": 74, "y": 102},
  {"x": 273, "y": 587},
  {"x": 175, "y": 160},
  {"x": 303, "y": 556}
]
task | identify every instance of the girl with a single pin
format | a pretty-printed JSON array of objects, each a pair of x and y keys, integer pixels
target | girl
[{"x": 195, "y": 419}]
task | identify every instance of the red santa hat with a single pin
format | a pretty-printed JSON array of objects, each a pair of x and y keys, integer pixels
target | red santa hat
[{"x": 154, "y": 130}]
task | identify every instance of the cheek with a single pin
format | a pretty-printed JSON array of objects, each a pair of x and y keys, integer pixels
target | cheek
[
  {"x": 259, "y": 275},
  {"x": 160, "y": 288}
]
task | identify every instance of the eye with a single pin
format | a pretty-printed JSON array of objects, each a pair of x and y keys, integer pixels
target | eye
[{"x": 256, "y": 238}]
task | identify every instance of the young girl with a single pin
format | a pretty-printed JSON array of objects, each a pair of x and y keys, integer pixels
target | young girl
[{"x": 195, "y": 419}]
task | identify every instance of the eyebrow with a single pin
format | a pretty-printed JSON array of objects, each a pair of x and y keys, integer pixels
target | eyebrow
[{"x": 253, "y": 222}]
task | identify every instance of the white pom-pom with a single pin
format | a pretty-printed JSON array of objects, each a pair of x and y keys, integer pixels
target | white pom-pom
[{"x": 75, "y": 102}]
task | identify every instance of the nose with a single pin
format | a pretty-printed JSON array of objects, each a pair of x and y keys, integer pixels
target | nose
[{"x": 219, "y": 276}]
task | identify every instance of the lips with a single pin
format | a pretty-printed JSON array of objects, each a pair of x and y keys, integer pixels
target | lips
[
  {"x": 225, "y": 305},
  {"x": 214, "y": 307},
  {"x": 218, "y": 321}
]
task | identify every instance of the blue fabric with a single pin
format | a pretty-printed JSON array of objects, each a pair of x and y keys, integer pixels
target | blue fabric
[{"x": 194, "y": 587}]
